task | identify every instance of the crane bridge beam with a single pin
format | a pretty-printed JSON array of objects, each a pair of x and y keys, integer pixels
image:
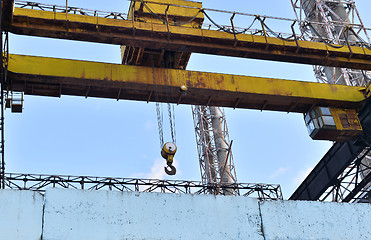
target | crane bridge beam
[
  {"x": 55, "y": 77},
  {"x": 183, "y": 39}
]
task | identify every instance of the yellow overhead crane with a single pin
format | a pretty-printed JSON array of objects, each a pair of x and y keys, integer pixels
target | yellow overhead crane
[
  {"x": 330, "y": 109},
  {"x": 55, "y": 77},
  {"x": 169, "y": 37}
]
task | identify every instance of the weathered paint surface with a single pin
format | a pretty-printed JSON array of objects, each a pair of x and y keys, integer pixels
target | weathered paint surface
[
  {"x": 20, "y": 215},
  {"x": 151, "y": 35},
  {"x": 55, "y": 77},
  {"x": 123, "y": 215},
  {"x": 110, "y": 215},
  {"x": 316, "y": 220}
]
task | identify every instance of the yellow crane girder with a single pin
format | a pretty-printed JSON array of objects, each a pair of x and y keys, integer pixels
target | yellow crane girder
[
  {"x": 184, "y": 39},
  {"x": 55, "y": 77}
]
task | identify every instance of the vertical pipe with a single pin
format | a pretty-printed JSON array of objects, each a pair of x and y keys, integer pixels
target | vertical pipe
[{"x": 220, "y": 144}]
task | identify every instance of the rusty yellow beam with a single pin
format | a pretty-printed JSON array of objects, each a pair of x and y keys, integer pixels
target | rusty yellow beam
[
  {"x": 184, "y": 39},
  {"x": 55, "y": 77}
]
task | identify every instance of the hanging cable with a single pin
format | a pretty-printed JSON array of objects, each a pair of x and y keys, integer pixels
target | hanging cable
[
  {"x": 159, "y": 113},
  {"x": 160, "y": 123},
  {"x": 168, "y": 149},
  {"x": 172, "y": 123}
]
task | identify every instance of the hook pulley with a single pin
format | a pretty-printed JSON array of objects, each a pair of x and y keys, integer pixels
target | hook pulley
[{"x": 167, "y": 152}]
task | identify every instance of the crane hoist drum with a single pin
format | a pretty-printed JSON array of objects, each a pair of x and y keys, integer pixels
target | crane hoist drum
[{"x": 167, "y": 152}]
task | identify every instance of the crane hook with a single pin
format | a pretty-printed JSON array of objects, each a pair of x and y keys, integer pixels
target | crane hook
[
  {"x": 168, "y": 151},
  {"x": 172, "y": 170}
]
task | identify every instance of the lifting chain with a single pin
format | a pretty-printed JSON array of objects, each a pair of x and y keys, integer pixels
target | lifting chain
[
  {"x": 160, "y": 123},
  {"x": 168, "y": 149},
  {"x": 171, "y": 112}
]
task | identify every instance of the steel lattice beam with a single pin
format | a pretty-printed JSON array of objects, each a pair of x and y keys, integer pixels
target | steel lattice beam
[{"x": 39, "y": 182}]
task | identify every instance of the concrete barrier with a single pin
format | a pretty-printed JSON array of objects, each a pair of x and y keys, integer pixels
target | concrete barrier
[
  {"x": 100, "y": 215},
  {"x": 316, "y": 220},
  {"x": 20, "y": 215},
  {"x": 111, "y": 215}
]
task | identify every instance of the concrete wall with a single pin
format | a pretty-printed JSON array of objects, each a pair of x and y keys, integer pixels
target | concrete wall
[
  {"x": 20, "y": 215},
  {"x": 77, "y": 214},
  {"x": 316, "y": 220},
  {"x": 122, "y": 215}
]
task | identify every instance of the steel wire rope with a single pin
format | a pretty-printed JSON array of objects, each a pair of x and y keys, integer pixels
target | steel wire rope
[
  {"x": 190, "y": 20},
  {"x": 159, "y": 112},
  {"x": 164, "y": 20},
  {"x": 171, "y": 112},
  {"x": 363, "y": 42},
  {"x": 170, "y": 107},
  {"x": 224, "y": 29},
  {"x": 150, "y": 11},
  {"x": 274, "y": 33},
  {"x": 321, "y": 38}
]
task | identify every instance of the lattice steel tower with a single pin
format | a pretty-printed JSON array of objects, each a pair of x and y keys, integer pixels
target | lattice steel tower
[
  {"x": 336, "y": 22},
  {"x": 213, "y": 144}
]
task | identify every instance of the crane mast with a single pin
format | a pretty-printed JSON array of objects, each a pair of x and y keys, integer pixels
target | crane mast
[{"x": 332, "y": 22}]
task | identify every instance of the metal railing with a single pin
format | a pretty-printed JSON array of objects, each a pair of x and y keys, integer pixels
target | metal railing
[{"x": 257, "y": 24}]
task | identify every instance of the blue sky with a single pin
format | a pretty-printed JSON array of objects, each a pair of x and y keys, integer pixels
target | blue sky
[{"x": 101, "y": 137}]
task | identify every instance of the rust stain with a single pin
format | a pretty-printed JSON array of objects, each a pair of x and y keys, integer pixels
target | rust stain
[
  {"x": 83, "y": 74},
  {"x": 198, "y": 79},
  {"x": 333, "y": 88},
  {"x": 219, "y": 81}
]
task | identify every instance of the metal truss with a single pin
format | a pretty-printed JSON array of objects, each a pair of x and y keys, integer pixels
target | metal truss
[
  {"x": 327, "y": 25},
  {"x": 38, "y": 182},
  {"x": 353, "y": 185},
  {"x": 210, "y": 166},
  {"x": 338, "y": 19}
]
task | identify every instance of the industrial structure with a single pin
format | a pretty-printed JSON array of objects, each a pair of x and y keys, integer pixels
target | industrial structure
[
  {"x": 157, "y": 39},
  {"x": 212, "y": 137},
  {"x": 338, "y": 23}
]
